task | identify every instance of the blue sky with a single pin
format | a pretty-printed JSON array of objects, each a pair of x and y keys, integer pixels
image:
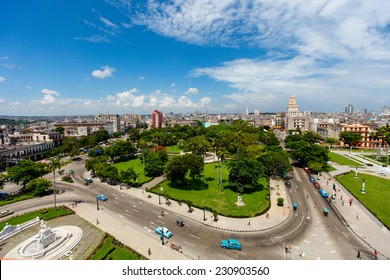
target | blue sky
[{"x": 122, "y": 56}]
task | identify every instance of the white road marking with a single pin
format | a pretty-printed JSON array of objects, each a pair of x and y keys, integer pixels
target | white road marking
[
  {"x": 195, "y": 236},
  {"x": 332, "y": 252},
  {"x": 328, "y": 242},
  {"x": 116, "y": 201},
  {"x": 161, "y": 222},
  {"x": 127, "y": 210},
  {"x": 292, "y": 230},
  {"x": 241, "y": 253},
  {"x": 307, "y": 241},
  {"x": 189, "y": 244}
]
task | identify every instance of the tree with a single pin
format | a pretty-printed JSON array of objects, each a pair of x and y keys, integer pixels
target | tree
[
  {"x": 25, "y": 171},
  {"x": 311, "y": 153},
  {"x": 106, "y": 171},
  {"x": 59, "y": 129},
  {"x": 38, "y": 187},
  {"x": 175, "y": 171},
  {"x": 244, "y": 173},
  {"x": 275, "y": 162},
  {"x": 315, "y": 166},
  {"x": 331, "y": 141},
  {"x": 52, "y": 166},
  {"x": 101, "y": 136},
  {"x": 350, "y": 138},
  {"x": 128, "y": 176}
]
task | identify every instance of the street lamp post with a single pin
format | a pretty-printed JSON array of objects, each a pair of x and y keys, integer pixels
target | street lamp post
[
  {"x": 363, "y": 189},
  {"x": 204, "y": 214},
  {"x": 356, "y": 172},
  {"x": 159, "y": 200},
  {"x": 97, "y": 204}
]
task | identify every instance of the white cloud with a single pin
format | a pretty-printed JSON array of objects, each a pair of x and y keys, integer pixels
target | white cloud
[
  {"x": 141, "y": 78},
  {"x": 49, "y": 92},
  {"x": 108, "y": 23},
  {"x": 2, "y": 79},
  {"x": 28, "y": 87},
  {"x": 192, "y": 91},
  {"x": 173, "y": 85},
  {"x": 48, "y": 99},
  {"x": 94, "y": 39},
  {"x": 104, "y": 73},
  {"x": 9, "y": 65}
]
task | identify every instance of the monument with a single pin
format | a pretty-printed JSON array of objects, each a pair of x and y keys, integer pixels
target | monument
[{"x": 48, "y": 243}]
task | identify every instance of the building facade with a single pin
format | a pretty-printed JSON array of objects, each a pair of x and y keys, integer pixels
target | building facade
[{"x": 157, "y": 119}]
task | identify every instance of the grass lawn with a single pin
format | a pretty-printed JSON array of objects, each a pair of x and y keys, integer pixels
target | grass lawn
[
  {"x": 173, "y": 149},
  {"x": 342, "y": 160},
  {"x": 110, "y": 251},
  {"x": 45, "y": 214},
  {"x": 377, "y": 195},
  {"x": 137, "y": 166},
  {"x": 223, "y": 202}
]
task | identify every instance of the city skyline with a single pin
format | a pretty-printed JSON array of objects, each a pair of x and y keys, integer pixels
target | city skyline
[{"x": 122, "y": 56}]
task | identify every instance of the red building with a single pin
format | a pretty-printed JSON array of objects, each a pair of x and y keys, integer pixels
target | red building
[{"x": 157, "y": 119}]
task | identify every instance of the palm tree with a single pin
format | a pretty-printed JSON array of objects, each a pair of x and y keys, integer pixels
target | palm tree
[
  {"x": 222, "y": 154},
  {"x": 53, "y": 165}
]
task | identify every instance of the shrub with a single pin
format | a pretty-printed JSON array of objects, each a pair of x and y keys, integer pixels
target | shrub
[{"x": 280, "y": 201}]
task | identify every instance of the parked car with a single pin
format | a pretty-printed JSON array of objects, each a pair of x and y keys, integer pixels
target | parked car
[
  {"x": 88, "y": 180},
  {"x": 323, "y": 193},
  {"x": 317, "y": 185},
  {"x": 102, "y": 197},
  {"x": 163, "y": 231},
  {"x": 180, "y": 222},
  {"x": 3, "y": 195},
  {"x": 312, "y": 179},
  {"x": 231, "y": 244}
]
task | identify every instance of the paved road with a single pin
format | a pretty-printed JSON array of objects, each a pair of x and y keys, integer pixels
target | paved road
[{"x": 264, "y": 238}]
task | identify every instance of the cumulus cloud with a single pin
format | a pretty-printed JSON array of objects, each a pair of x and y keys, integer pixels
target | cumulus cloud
[
  {"x": 48, "y": 99},
  {"x": 104, "y": 73},
  {"x": 192, "y": 91},
  {"x": 49, "y": 92},
  {"x": 2, "y": 79},
  {"x": 337, "y": 48}
]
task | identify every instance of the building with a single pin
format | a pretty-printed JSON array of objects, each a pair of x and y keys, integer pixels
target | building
[
  {"x": 109, "y": 118},
  {"x": 349, "y": 109},
  {"x": 363, "y": 130},
  {"x": 157, "y": 119},
  {"x": 296, "y": 120}
]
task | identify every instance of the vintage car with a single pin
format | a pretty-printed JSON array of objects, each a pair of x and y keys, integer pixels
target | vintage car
[
  {"x": 231, "y": 244},
  {"x": 163, "y": 231}
]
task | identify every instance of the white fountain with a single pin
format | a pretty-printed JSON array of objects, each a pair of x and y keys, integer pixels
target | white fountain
[{"x": 48, "y": 243}]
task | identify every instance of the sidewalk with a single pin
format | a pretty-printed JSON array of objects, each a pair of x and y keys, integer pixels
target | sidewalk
[{"x": 356, "y": 216}]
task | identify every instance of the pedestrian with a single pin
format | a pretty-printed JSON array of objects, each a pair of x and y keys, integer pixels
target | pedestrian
[
  {"x": 341, "y": 198},
  {"x": 350, "y": 202},
  {"x": 357, "y": 216},
  {"x": 307, "y": 196},
  {"x": 342, "y": 203},
  {"x": 149, "y": 251},
  {"x": 358, "y": 254},
  {"x": 286, "y": 248},
  {"x": 267, "y": 216},
  {"x": 97, "y": 221},
  {"x": 315, "y": 204},
  {"x": 301, "y": 254},
  {"x": 249, "y": 222},
  {"x": 375, "y": 254}
]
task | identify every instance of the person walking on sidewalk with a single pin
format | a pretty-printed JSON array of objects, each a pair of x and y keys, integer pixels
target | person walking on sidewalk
[
  {"x": 249, "y": 222},
  {"x": 358, "y": 255},
  {"x": 357, "y": 216},
  {"x": 97, "y": 221},
  {"x": 149, "y": 251}
]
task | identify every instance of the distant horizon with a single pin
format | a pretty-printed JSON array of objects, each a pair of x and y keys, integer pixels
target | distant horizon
[{"x": 125, "y": 56}]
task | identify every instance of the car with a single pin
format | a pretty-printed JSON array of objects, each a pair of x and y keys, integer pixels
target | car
[
  {"x": 6, "y": 213},
  {"x": 163, "y": 231},
  {"x": 317, "y": 185},
  {"x": 3, "y": 195},
  {"x": 88, "y": 180},
  {"x": 288, "y": 184},
  {"x": 312, "y": 180},
  {"x": 231, "y": 244},
  {"x": 323, "y": 193},
  {"x": 102, "y": 197}
]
